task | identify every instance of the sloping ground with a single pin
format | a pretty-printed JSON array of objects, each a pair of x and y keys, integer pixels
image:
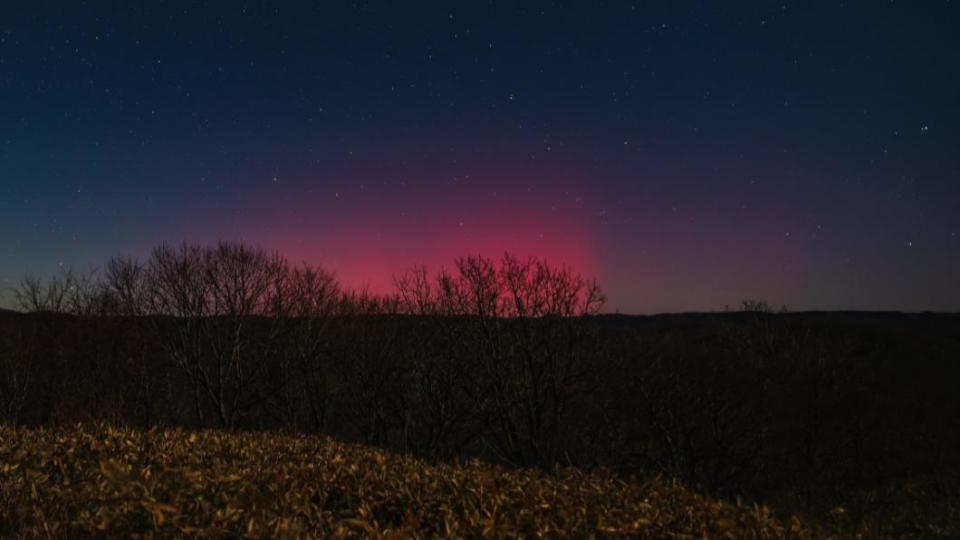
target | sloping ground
[{"x": 98, "y": 480}]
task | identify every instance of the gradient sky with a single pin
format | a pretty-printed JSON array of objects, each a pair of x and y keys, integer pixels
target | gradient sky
[{"x": 688, "y": 155}]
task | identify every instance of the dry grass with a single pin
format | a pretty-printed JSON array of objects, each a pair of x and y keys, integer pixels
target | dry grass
[{"x": 105, "y": 481}]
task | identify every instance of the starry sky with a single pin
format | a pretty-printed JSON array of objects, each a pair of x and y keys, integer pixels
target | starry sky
[{"x": 687, "y": 154}]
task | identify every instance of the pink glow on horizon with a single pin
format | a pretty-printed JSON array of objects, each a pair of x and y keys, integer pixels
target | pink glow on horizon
[
  {"x": 671, "y": 263},
  {"x": 366, "y": 245}
]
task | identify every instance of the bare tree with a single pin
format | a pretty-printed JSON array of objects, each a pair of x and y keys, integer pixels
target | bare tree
[
  {"x": 313, "y": 297},
  {"x": 518, "y": 360},
  {"x": 224, "y": 307}
]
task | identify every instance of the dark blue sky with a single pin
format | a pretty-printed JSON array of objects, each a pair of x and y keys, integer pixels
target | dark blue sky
[{"x": 687, "y": 154}]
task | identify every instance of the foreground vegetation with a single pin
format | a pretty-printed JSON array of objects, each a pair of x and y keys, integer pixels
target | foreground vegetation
[{"x": 99, "y": 480}]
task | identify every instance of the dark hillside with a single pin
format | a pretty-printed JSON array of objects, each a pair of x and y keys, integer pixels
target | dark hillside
[{"x": 806, "y": 411}]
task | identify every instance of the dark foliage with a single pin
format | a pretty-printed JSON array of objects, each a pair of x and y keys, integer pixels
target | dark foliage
[{"x": 851, "y": 413}]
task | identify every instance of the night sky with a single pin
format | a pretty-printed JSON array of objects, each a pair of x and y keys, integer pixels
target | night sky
[{"x": 688, "y": 155}]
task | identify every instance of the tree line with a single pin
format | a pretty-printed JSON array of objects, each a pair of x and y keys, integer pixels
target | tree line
[{"x": 509, "y": 360}]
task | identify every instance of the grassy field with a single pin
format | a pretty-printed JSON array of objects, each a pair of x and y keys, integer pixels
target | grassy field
[{"x": 104, "y": 481}]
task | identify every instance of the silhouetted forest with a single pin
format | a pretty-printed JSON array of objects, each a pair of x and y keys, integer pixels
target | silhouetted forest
[{"x": 507, "y": 360}]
